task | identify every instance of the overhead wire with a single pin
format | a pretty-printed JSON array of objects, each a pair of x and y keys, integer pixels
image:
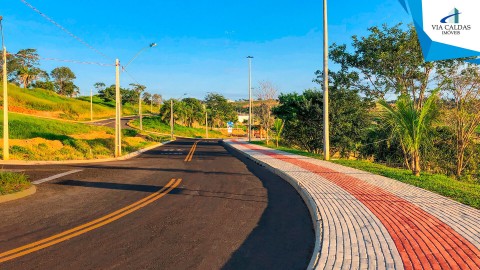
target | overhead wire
[
  {"x": 79, "y": 40},
  {"x": 66, "y": 31}
]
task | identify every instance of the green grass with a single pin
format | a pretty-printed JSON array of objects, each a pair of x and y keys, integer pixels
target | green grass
[
  {"x": 26, "y": 127},
  {"x": 45, "y": 139},
  {"x": 464, "y": 192},
  {"x": 154, "y": 123},
  {"x": 57, "y": 106},
  {"x": 11, "y": 182}
]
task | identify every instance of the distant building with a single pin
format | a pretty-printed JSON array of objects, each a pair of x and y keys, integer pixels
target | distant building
[{"x": 243, "y": 118}]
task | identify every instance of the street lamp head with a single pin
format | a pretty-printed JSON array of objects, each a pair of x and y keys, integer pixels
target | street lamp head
[
  {"x": 249, "y": 56},
  {"x": 153, "y": 45}
]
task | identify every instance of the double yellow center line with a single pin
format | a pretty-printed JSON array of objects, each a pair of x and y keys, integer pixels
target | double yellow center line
[
  {"x": 57, "y": 238},
  {"x": 189, "y": 157}
]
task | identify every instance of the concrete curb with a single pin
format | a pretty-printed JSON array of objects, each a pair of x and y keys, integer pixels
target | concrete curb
[
  {"x": 307, "y": 198},
  {"x": 18, "y": 195},
  {"x": 66, "y": 162}
]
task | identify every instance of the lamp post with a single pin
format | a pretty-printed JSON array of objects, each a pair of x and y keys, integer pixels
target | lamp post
[
  {"x": 118, "y": 104},
  {"x": 118, "y": 128},
  {"x": 249, "y": 98},
  {"x": 326, "y": 133},
  {"x": 139, "y": 52},
  {"x": 6, "y": 146}
]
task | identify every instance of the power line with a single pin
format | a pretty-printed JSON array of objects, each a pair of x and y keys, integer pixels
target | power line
[
  {"x": 66, "y": 31},
  {"x": 78, "y": 62},
  {"x": 64, "y": 60}
]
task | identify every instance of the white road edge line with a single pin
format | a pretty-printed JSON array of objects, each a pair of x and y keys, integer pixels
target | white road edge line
[{"x": 54, "y": 177}]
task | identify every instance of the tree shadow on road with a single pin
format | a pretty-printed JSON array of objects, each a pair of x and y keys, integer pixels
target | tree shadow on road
[{"x": 284, "y": 237}]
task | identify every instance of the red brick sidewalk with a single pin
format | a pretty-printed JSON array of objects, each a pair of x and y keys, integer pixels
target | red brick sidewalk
[{"x": 422, "y": 239}]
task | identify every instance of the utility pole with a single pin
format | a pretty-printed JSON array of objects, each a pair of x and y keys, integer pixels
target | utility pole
[
  {"x": 91, "y": 104},
  {"x": 151, "y": 103},
  {"x": 171, "y": 119},
  {"x": 249, "y": 98},
  {"x": 6, "y": 150},
  {"x": 118, "y": 109},
  {"x": 326, "y": 133},
  {"x": 206, "y": 122},
  {"x": 140, "y": 108}
]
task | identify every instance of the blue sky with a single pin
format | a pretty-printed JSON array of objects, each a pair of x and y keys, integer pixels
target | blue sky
[{"x": 202, "y": 45}]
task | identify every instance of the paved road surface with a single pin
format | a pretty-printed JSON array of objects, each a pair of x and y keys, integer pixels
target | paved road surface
[
  {"x": 111, "y": 122},
  {"x": 158, "y": 211}
]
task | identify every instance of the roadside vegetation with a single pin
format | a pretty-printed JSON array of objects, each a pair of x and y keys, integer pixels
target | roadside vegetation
[
  {"x": 156, "y": 124},
  {"x": 11, "y": 182},
  {"x": 34, "y": 138},
  {"x": 464, "y": 192}
]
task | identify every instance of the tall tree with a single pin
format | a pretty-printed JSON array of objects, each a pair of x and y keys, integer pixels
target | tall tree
[
  {"x": 195, "y": 111},
  {"x": 221, "y": 111},
  {"x": 461, "y": 84},
  {"x": 266, "y": 93},
  {"x": 388, "y": 60},
  {"x": 63, "y": 78},
  {"x": 147, "y": 97},
  {"x": 157, "y": 99},
  {"x": 23, "y": 67},
  {"x": 138, "y": 90}
]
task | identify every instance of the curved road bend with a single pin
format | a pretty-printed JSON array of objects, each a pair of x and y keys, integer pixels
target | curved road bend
[{"x": 158, "y": 211}]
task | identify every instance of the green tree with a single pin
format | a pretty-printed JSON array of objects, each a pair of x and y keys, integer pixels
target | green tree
[
  {"x": 388, "y": 60},
  {"x": 194, "y": 111},
  {"x": 63, "y": 80},
  {"x": 23, "y": 67},
  {"x": 461, "y": 84},
  {"x": 410, "y": 125},
  {"x": 220, "y": 110},
  {"x": 302, "y": 115},
  {"x": 106, "y": 93},
  {"x": 147, "y": 97},
  {"x": 138, "y": 90}
]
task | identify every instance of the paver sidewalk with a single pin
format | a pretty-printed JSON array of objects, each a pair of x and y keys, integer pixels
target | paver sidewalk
[{"x": 373, "y": 222}]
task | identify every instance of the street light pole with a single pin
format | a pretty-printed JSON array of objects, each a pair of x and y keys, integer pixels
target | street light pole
[
  {"x": 91, "y": 104},
  {"x": 206, "y": 122},
  {"x": 249, "y": 98},
  {"x": 171, "y": 119},
  {"x": 140, "y": 109},
  {"x": 118, "y": 112},
  {"x": 151, "y": 103},
  {"x": 326, "y": 137},
  {"x": 6, "y": 150},
  {"x": 171, "y": 116}
]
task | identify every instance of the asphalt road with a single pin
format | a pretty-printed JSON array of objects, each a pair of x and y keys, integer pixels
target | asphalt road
[
  {"x": 158, "y": 211},
  {"x": 111, "y": 122}
]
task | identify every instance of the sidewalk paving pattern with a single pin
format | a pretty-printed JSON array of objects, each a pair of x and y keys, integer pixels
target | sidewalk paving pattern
[{"x": 374, "y": 222}]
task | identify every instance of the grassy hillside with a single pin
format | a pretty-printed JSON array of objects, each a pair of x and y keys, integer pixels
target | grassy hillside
[
  {"x": 155, "y": 124},
  {"x": 34, "y": 138},
  {"x": 46, "y": 103}
]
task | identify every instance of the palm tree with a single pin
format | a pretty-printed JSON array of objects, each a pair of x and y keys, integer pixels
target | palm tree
[{"x": 410, "y": 125}]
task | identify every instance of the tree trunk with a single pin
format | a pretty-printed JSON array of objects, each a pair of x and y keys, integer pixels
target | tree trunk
[
  {"x": 416, "y": 163},
  {"x": 266, "y": 134},
  {"x": 460, "y": 158}
]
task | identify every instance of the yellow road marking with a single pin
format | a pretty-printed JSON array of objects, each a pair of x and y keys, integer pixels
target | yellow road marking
[
  {"x": 50, "y": 241},
  {"x": 192, "y": 151}
]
